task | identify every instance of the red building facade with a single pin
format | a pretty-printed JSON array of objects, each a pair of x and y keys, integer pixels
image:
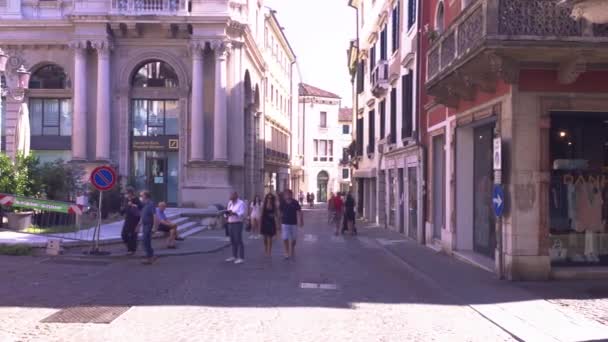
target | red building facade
[{"x": 523, "y": 75}]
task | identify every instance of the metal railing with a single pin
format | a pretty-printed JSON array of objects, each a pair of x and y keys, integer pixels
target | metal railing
[{"x": 149, "y": 7}]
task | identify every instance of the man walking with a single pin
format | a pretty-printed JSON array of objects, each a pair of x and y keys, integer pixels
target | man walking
[
  {"x": 235, "y": 214},
  {"x": 147, "y": 221},
  {"x": 291, "y": 218}
]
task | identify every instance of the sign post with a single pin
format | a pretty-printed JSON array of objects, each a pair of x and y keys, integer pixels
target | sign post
[
  {"x": 498, "y": 202},
  {"x": 103, "y": 178}
]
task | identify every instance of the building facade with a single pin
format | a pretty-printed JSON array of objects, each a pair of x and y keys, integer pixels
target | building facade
[
  {"x": 277, "y": 120},
  {"x": 323, "y": 141},
  {"x": 383, "y": 61},
  {"x": 537, "y": 97},
  {"x": 164, "y": 90}
]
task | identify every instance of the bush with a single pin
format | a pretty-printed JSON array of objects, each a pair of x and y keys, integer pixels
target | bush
[
  {"x": 61, "y": 181},
  {"x": 22, "y": 177}
]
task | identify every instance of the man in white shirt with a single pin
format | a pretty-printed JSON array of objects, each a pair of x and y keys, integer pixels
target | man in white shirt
[{"x": 235, "y": 214}]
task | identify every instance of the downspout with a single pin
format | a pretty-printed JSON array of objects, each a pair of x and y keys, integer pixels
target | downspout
[{"x": 418, "y": 137}]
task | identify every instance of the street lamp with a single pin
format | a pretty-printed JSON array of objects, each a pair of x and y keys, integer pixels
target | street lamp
[{"x": 22, "y": 83}]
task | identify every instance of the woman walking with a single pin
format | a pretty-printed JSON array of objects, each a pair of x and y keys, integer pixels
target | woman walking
[
  {"x": 255, "y": 213},
  {"x": 349, "y": 213},
  {"x": 270, "y": 222},
  {"x": 131, "y": 209}
]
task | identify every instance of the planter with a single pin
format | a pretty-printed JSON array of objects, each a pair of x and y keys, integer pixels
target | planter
[{"x": 19, "y": 220}]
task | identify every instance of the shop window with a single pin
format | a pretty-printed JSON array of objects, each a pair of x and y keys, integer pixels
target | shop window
[
  {"x": 155, "y": 74},
  {"x": 578, "y": 195}
]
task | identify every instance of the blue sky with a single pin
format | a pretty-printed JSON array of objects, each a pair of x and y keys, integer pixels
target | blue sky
[{"x": 319, "y": 32}]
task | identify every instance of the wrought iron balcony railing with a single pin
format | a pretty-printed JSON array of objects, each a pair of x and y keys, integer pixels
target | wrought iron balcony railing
[
  {"x": 504, "y": 23},
  {"x": 149, "y": 7}
]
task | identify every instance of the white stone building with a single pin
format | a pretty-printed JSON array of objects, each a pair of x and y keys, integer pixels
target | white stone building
[
  {"x": 323, "y": 142},
  {"x": 384, "y": 64},
  {"x": 280, "y": 60},
  {"x": 170, "y": 91}
]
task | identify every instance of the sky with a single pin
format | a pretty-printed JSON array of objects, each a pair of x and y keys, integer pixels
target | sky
[{"x": 319, "y": 32}]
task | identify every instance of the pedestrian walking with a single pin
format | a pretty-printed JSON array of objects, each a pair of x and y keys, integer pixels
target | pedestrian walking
[
  {"x": 235, "y": 214},
  {"x": 131, "y": 210},
  {"x": 338, "y": 212},
  {"x": 331, "y": 212},
  {"x": 291, "y": 218},
  {"x": 312, "y": 200},
  {"x": 349, "y": 213},
  {"x": 270, "y": 222},
  {"x": 301, "y": 198},
  {"x": 255, "y": 213},
  {"x": 147, "y": 222}
]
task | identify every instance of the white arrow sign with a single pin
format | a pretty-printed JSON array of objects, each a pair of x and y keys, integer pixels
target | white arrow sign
[{"x": 498, "y": 201}]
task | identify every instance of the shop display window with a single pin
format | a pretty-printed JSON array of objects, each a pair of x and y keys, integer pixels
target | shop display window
[{"x": 578, "y": 193}]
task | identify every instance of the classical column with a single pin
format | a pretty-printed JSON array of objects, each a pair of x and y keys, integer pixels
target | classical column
[
  {"x": 103, "y": 118},
  {"x": 197, "y": 112},
  {"x": 79, "y": 130},
  {"x": 220, "y": 114}
]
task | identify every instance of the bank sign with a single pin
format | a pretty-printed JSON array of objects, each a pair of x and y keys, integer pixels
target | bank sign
[
  {"x": 157, "y": 143},
  {"x": 39, "y": 204}
]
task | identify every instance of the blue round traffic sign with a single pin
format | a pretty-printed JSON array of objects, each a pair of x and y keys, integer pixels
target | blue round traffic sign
[
  {"x": 103, "y": 178},
  {"x": 498, "y": 200}
]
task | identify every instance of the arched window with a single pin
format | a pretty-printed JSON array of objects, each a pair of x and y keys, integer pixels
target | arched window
[
  {"x": 50, "y": 76},
  {"x": 440, "y": 18},
  {"x": 155, "y": 74}
]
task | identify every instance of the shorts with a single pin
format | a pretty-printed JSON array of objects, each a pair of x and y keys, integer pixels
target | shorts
[
  {"x": 289, "y": 232},
  {"x": 164, "y": 228}
]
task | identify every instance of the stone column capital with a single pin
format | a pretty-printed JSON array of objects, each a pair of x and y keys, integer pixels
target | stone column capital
[
  {"x": 78, "y": 45},
  {"x": 103, "y": 47},
  {"x": 221, "y": 47},
  {"x": 197, "y": 47}
]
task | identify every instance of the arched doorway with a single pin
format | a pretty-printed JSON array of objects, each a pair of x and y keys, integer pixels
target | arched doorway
[
  {"x": 51, "y": 115},
  {"x": 155, "y": 121},
  {"x": 322, "y": 182}
]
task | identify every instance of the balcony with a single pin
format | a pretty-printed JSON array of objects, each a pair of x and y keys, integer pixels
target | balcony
[
  {"x": 380, "y": 82},
  {"x": 495, "y": 39},
  {"x": 149, "y": 7}
]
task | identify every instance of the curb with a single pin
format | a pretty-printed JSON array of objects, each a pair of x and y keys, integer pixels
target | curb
[{"x": 122, "y": 256}]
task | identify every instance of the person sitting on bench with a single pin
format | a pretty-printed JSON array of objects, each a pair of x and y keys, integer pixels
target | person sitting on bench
[{"x": 164, "y": 225}]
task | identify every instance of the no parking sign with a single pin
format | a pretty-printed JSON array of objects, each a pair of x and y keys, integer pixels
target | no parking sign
[{"x": 103, "y": 178}]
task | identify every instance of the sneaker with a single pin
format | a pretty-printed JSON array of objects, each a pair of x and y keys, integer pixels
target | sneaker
[
  {"x": 239, "y": 261},
  {"x": 179, "y": 238},
  {"x": 231, "y": 259},
  {"x": 149, "y": 261}
]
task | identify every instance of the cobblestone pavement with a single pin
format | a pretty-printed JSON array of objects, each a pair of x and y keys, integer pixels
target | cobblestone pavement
[{"x": 367, "y": 295}]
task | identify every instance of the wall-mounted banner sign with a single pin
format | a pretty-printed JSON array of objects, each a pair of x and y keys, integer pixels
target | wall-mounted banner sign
[
  {"x": 38, "y": 204},
  {"x": 158, "y": 143}
]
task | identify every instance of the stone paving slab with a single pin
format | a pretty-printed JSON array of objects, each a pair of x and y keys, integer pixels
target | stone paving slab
[{"x": 528, "y": 315}]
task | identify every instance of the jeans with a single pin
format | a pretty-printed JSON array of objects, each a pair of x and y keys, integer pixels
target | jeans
[
  {"x": 236, "y": 239},
  {"x": 148, "y": 240},
  {"x": 129, "y": 235}
]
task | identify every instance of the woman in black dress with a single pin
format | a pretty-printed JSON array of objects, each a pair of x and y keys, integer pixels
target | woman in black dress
[
  {"x": 270, "y": 221},
  {"x": 131, "y": 210}
]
